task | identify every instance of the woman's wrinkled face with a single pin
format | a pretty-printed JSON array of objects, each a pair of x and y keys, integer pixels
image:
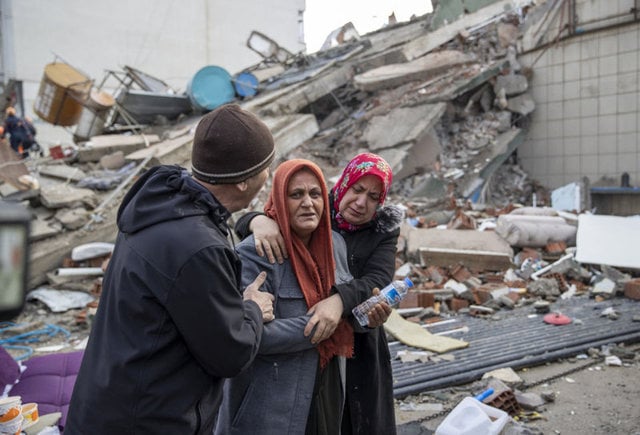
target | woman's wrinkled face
[
  {"x": 305, "y": 203},
  {"x": 360, "y": 201}
]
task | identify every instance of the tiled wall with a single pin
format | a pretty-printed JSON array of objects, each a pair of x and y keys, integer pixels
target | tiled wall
[{"x": 587, "y": 116}]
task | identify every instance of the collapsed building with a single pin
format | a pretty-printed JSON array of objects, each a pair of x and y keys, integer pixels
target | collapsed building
[{"x": 447, "y": 100}]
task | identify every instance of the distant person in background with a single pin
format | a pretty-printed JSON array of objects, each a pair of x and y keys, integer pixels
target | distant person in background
[{"x": 21, "y": 132}]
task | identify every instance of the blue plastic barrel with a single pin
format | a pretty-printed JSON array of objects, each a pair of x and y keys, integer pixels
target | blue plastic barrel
[
  {"x": 246, "y": 84},
  {"x": 210, "y": 87}
]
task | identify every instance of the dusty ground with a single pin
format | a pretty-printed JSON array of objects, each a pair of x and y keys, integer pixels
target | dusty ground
[{"x": 596, "y": 400}]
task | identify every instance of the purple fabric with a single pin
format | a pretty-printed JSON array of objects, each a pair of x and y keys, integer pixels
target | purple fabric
[
  {"x": 48, "y": 381},
  {"x": 9, "y": 369}
]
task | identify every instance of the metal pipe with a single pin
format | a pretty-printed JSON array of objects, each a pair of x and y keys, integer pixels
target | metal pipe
[
  {"x": 79, "y": 271},
  {"x": 470, "y": 376},
  {"x": 478, "y": 354}
]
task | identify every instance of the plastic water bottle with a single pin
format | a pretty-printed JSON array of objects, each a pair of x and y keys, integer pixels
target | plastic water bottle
[{"x": 391, "y": 294}]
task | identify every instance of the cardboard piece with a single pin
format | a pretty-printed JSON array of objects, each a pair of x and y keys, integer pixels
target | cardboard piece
[{"x": 414, "y": 335}]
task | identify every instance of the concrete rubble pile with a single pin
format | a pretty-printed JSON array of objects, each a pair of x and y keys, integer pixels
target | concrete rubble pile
[{"x": 445, "y": 101}]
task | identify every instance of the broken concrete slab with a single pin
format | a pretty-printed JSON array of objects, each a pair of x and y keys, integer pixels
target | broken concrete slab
[
  {"x": 63, "y": 195},
  {"x": 169, "y": 152},
  {"x": 63, "y": 172},
  {"x": 47, "y": 254},
  {"x": 451, "y": 247},
  {"x": 489, "y": 160},
  {"x": 305, "y": 93},
  {"x": 422, "y": 68},
  {"x": 102, "y": 145},
  {"x": 476, "y": 260},
  {"x": 512, "y": 84},
  {"x": 424, "y": 44},
  {"x": 113, "y": 161},
  {"x": 414, "y": 158},
  {"x": 72, "y": 218},
  {"x": 385, "y": 45},
  {"x": 41, "y": 229},
  {"x": 522, "y": 104},
  {"x": 289, "y": 131},
  {"x": 7, "y": 190},
  {"x": 609, "y": 240},
  {"x": 402, "y": 125},
  {"x": 463, "y": 79}
]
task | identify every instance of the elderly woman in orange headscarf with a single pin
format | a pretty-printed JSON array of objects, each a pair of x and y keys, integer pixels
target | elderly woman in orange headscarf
[
  {"x": 370, "y": 229},
  {"x": 295, "y": 385}
]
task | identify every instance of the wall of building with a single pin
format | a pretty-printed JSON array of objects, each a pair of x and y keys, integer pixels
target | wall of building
[
  {"x": 168, "y": 39},
  {"x": 587, "y": 94}
]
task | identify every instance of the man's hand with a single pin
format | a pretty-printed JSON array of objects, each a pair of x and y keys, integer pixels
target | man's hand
[
  {"x": 263, "y": 299},
  {"x": 325, "y": 317},
  {"x": 268, "y": 239},
  {"x": 379, "y": 313}
]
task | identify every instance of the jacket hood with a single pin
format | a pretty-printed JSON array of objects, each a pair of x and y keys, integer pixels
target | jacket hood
[{"x": 167, "y": 193}]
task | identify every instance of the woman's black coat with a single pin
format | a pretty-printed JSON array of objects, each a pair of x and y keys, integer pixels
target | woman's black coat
[{"x": 371, "y": 255}]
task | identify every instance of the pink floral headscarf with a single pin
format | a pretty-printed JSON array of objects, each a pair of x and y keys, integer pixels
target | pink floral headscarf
[{"x": 361, "y": 165}]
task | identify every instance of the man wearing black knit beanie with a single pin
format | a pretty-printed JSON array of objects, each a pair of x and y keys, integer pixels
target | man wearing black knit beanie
[{"x": 172, "y": 321}]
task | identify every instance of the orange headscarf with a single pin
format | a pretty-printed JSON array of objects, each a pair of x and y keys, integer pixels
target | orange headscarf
[{"x": 314, "y": 266}]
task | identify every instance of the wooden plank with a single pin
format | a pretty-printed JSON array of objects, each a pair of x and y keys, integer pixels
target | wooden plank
[{"x": 475, "y": 260}]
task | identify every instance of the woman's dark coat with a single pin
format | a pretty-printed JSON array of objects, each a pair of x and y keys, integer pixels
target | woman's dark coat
[{"x": 371, "y": 254}]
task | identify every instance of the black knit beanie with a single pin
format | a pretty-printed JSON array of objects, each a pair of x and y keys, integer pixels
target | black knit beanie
[{"x": 230, "y": 145}]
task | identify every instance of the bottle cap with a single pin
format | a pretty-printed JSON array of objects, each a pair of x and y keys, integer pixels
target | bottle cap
[{"x": 408, "y": 282}]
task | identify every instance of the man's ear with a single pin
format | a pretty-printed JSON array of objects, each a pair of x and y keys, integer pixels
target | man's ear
[{"x": 242, "y": 186}]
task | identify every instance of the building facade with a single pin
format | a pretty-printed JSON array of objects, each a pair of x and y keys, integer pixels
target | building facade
[{"x": 586, "y": 86}]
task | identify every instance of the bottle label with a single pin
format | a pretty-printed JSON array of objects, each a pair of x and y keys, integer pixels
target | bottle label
[{"x": 393, "y": 297}]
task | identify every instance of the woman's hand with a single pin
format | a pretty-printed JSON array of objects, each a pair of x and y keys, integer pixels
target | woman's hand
[
  {"x": 379, "y": 313},
  {"x": 268, "y": 239},
  {"x": 325, "y": 317}
]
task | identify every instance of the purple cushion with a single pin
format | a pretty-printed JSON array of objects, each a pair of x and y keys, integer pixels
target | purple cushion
[{"x": 48, "y": 381}]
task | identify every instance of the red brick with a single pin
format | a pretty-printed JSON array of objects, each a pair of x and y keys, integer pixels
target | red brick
[
  {"x": 410, "y": 300},
  {"x": 426, "y": 299},
  {"x": 481, "y": 295},
  {"x": 460, "y": 273},
  {"x": 457, "y": 304},
  {"x": 632, "y": 289}
]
